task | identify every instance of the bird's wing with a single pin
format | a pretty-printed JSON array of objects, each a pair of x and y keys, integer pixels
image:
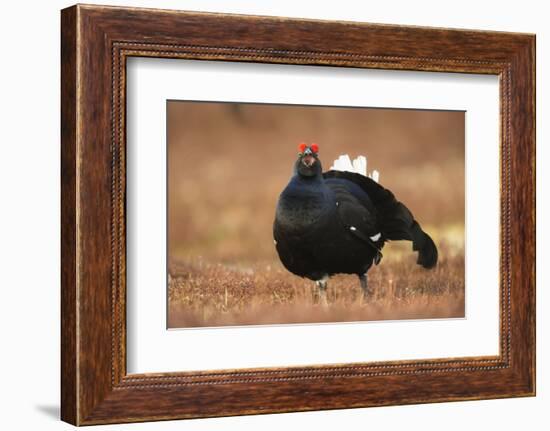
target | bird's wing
[
  {"x": 356, "y": 213},
  {"x": 393, "y": 218},
  {"x": 354, "y": 206}
]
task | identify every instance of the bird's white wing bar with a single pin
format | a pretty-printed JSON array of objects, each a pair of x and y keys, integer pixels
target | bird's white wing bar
[
  {"x": 373, "y": 238},
  {"x": 358, "y": 166},
  {"x": 376, "y": 237}
]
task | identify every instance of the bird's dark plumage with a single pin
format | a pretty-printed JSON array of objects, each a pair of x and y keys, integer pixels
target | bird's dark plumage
[{"x": 338, "y": 222}]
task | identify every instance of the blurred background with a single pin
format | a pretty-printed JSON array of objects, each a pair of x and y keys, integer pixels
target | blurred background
[{"x": 228, "y": 163}]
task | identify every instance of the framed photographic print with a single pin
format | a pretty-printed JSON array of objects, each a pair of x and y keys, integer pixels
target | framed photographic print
[{"x": 264, "y": 214}]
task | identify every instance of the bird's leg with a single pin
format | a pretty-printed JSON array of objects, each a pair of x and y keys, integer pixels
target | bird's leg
[
  {"x": 365, "y": 287},
  {"x": 322, "y": 290}
]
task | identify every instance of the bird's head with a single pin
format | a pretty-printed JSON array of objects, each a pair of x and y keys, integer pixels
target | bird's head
[{"x": 308, "y": 163}]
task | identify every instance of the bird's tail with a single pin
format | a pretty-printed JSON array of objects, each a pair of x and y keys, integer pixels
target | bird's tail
[
  {"x": 358, "y": 166},
  {"x": 423, "y": 243},
  {"x": 399, "y": 224}
]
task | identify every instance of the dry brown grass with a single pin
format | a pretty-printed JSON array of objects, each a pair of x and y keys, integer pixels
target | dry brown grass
[{"x": 205, "y": 294}]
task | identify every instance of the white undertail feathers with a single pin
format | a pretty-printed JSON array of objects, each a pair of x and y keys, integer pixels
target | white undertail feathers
[{"x": 359, "y": 166}]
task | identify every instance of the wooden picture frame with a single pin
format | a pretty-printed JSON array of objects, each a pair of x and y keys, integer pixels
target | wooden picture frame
[{"x": 95, "y": 43}]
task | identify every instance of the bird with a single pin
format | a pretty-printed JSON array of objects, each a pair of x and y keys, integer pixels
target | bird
[{"x": 337, "y": 222}]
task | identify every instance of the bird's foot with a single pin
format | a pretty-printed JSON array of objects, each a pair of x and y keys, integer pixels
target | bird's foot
[
  {"x": 322, "y": 291},
  {"x": 366, "y": 292},
  {"x": 365, "y": 297}
]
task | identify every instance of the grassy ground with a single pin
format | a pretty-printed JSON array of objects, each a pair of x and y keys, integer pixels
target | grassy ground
[{"x": 208, "y": 294}]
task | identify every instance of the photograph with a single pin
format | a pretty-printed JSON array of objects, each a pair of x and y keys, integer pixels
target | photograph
[{"x": 295, "y": 214}]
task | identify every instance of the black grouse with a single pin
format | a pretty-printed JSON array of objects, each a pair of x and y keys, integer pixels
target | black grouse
[{"x": 337, "y": 222}]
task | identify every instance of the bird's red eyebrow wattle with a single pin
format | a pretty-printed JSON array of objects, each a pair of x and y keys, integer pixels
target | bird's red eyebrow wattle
[
  {"x": 315, "y": 148},
  {"x": 302, "y": 147}
]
